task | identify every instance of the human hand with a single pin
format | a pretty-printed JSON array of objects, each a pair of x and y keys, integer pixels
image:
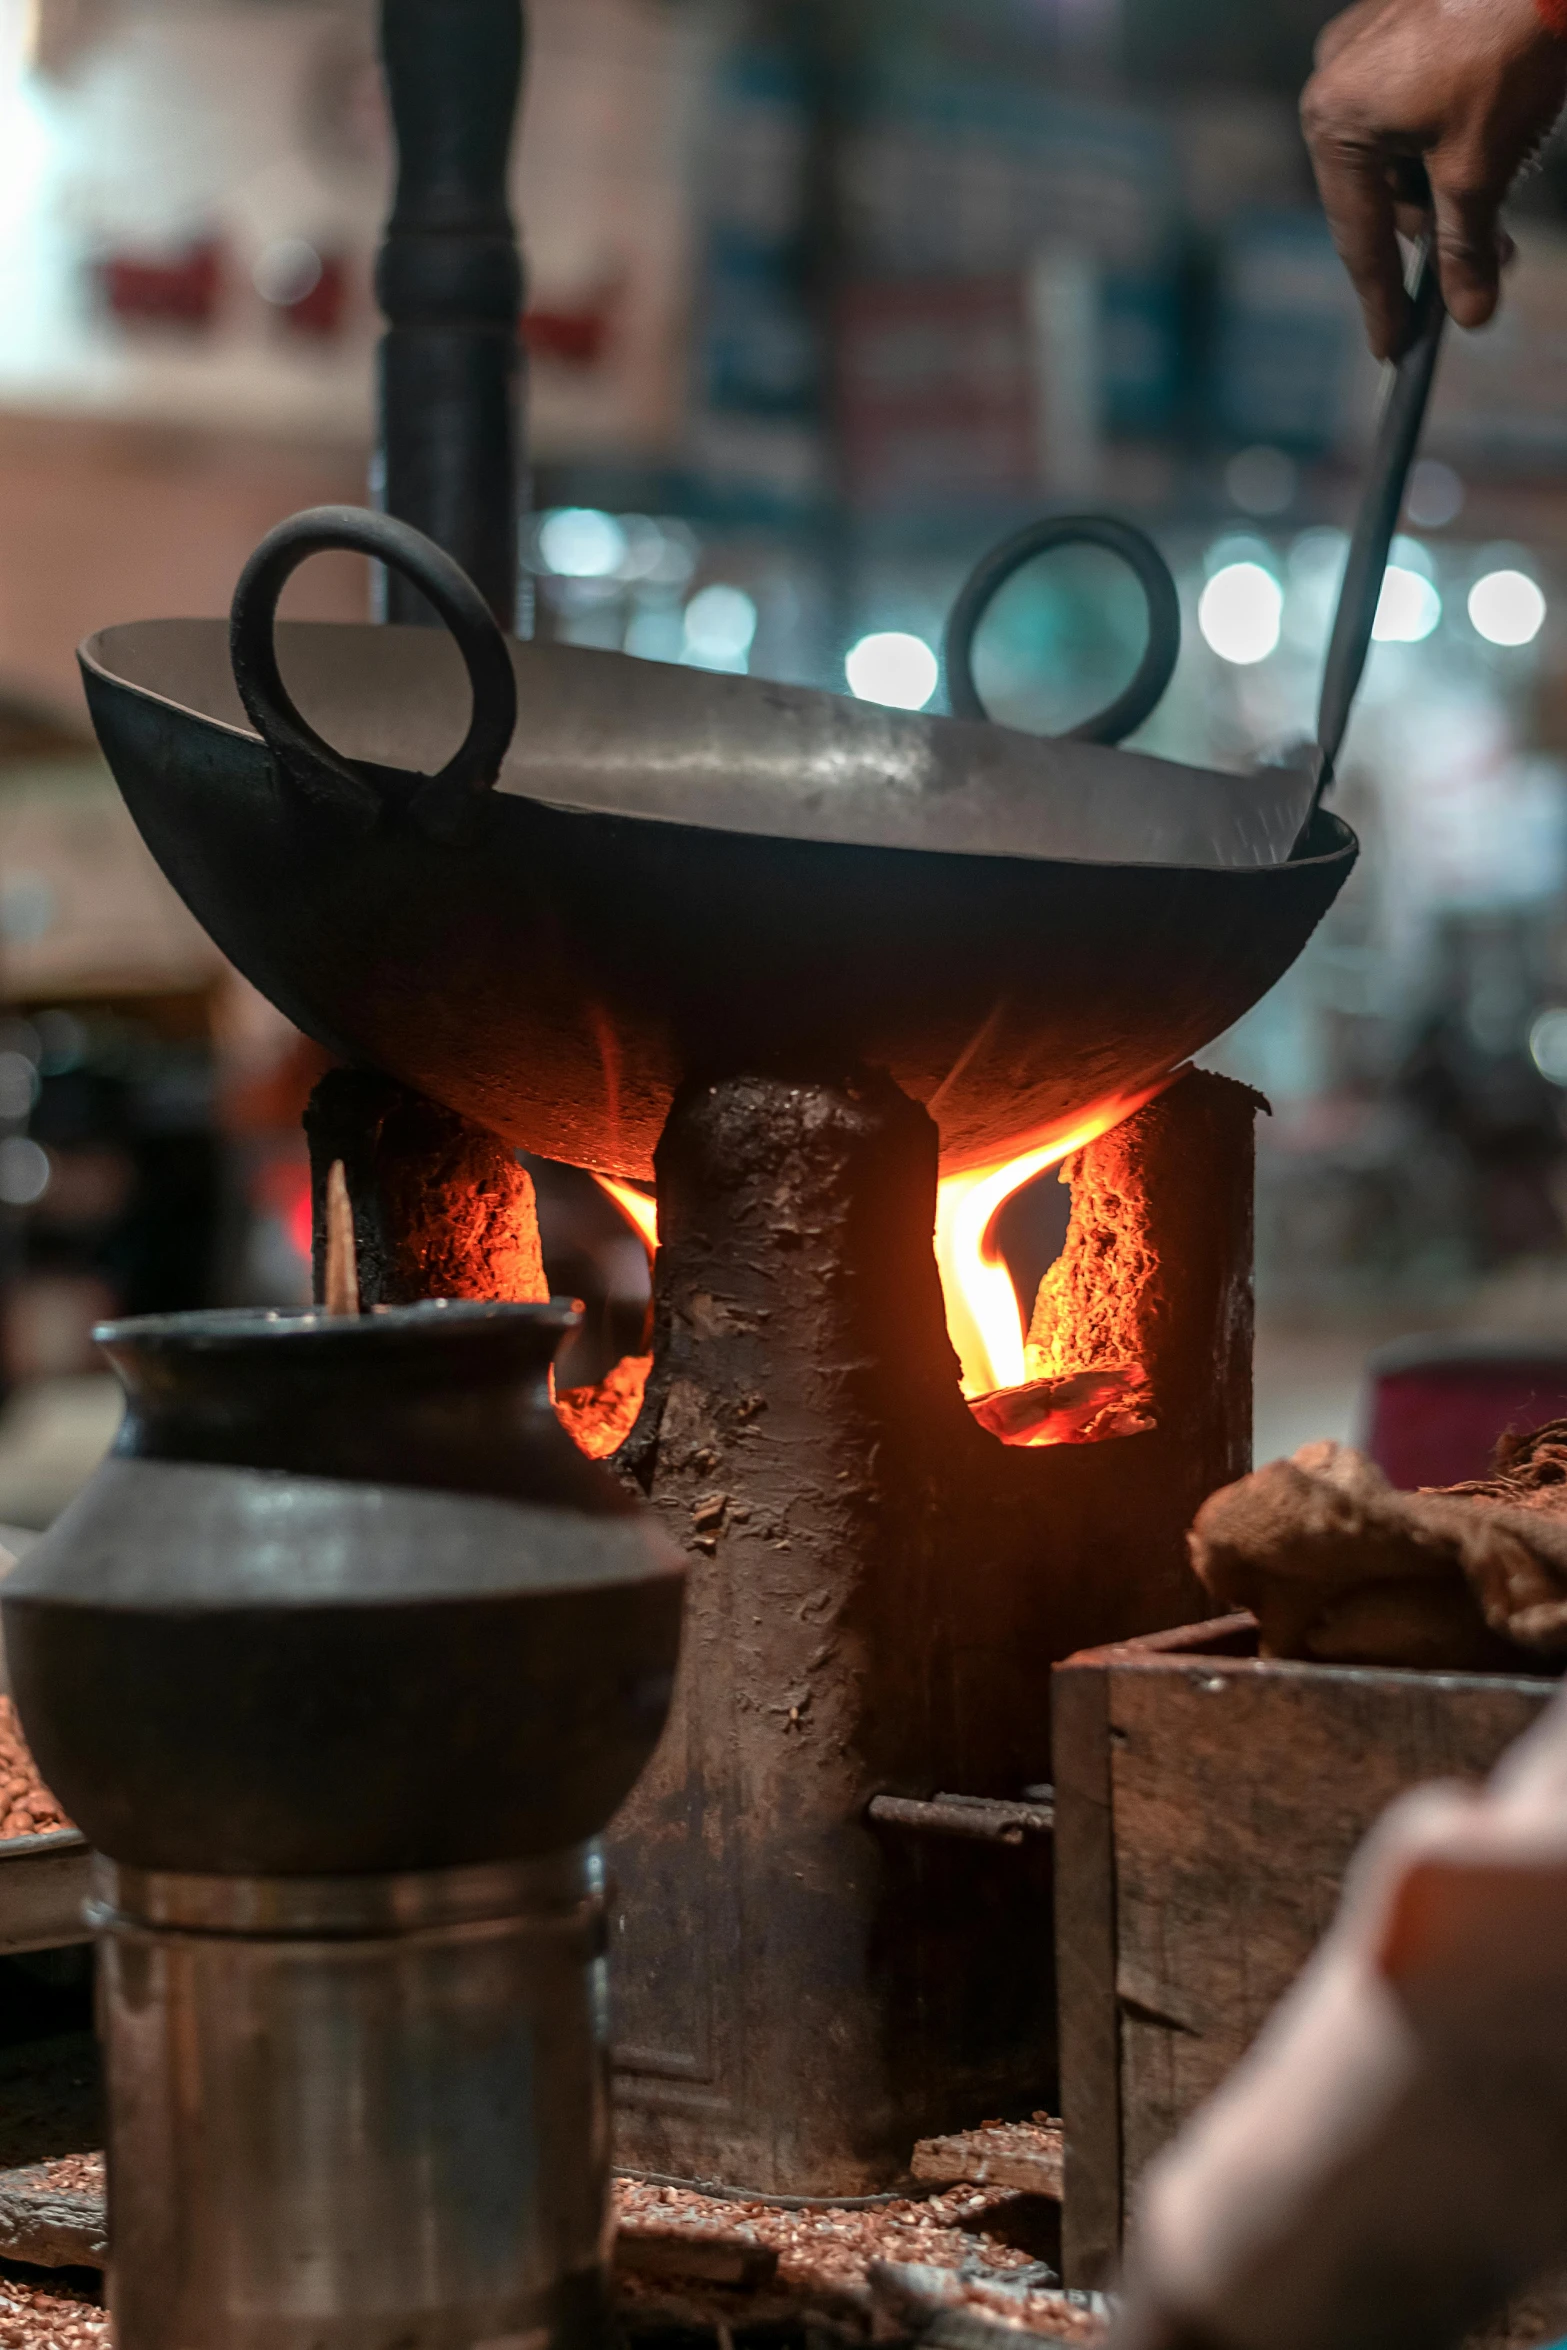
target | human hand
[{"x": 1470, "y": 89}]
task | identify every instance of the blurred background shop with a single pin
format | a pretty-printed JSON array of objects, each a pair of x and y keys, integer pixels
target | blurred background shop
[{"x": 825, "y": 295}]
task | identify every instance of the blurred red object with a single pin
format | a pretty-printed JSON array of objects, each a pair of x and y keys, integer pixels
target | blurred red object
[
  {"x": 280, "y": 1187},
  {"x": 576, "y": 336},
  {"x": 1438, "y": 1405},
  {"x": 319, "y": 311},
  {"x": 179, "y": 289}
]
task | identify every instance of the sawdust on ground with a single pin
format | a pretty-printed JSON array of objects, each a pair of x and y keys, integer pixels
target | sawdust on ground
[
  {"x": 26, "y": 1806},
  {"x": 59, "y": 2315},
  {"x": 822, "y": 2251}
]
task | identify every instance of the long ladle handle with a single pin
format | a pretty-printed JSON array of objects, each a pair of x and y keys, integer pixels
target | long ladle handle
[
  {"x": 1152, "y": 573},
  {"x": 1398, "y": 437},
  {"x": 441, "y": 801}
]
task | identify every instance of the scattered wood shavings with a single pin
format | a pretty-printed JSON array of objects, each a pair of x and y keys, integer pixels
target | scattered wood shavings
[
  {"x": 825, "y": 2254},
  {"x": 72, "y": 2174},
  {"x": 59, "y": 2315},
  {"x": 26, "y": 1806},
  {"x": 719, "y": 2263}
]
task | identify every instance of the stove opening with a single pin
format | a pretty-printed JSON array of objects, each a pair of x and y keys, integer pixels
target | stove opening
[
  {"x": 1052, "y": 1352},
  {"x": 1047, "y": 1274}
]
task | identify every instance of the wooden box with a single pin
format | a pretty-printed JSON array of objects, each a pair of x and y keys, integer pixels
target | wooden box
[{"x": 1207, "y": 1804}]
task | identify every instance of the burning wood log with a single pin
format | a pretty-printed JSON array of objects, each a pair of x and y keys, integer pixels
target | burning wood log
[
  {"x": 1083, "y": 1408},
  {"x": 440, "y": 1207}
]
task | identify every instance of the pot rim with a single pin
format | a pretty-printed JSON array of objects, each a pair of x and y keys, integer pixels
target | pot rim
[{"x": 380, "y": 1327}]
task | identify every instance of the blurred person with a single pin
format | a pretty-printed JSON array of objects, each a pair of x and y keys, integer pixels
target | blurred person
[{"x": 1422, "y": 108}]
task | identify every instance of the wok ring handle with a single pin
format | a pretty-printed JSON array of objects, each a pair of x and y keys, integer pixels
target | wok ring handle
[
  {"x": 439, "y": 802},
  {"x": 1141, "y": 557}
]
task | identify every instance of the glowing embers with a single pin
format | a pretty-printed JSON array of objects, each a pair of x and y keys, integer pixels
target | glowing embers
[
  {"x": 1076, "y": 1375},
  {"x": 599, "y": 1419},
  {"x": 1083, "y": 1408}
]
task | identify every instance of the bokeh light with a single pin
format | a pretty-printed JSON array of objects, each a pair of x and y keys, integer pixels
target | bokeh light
[
  {"x": 18, "y": 1085},
  {"x": 1436, "y": 495},
  {"x": 25, "y": 1171},
  {"x": 1548, "y": 1045},
  {"x": 1262, "y": 481},
  {"x": 287, "y": 271},
  {"x": 1507, "y": 608},
  {"x": 1241, "y": 613},
  {"x": 578, "y": 542},
  {"x": 720, "y": 628},
  {"x": 893, "y": 668},
  {"x": 1409, "y": 607}
]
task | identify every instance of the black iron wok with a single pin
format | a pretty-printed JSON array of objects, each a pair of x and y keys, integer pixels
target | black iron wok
[
  {"x": 664, "y": 874},
  {"x": 678, "y": 873}
]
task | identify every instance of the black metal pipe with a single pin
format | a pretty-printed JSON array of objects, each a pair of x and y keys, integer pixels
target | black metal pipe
[{"x": 450, "y": 282}]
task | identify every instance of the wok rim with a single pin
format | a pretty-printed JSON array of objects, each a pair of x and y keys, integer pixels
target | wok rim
[{"x": 94, "y": 668}]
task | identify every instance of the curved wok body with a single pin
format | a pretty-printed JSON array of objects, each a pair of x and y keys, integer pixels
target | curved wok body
[{"x": 557, "y": 972}]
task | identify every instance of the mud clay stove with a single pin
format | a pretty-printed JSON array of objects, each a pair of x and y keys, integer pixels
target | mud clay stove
[
  {"x": 817, "y": 1964},
  {"x": 832, "y": 1924}
]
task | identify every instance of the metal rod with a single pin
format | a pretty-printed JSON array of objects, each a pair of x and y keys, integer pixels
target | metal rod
[
  {"x": 980, "y": 1818},
  {"x": 450, "y": 281},
  {"x": 1398, "y": 437}
]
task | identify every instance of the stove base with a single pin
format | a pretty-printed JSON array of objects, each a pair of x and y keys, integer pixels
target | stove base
[{"x": 878, "y": 1589}]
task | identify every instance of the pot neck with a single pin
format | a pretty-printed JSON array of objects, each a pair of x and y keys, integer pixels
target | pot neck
[{"x": 447, "y": 1396}]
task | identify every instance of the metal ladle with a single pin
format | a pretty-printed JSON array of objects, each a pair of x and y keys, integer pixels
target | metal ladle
[{"x": 1398, "y": 437}]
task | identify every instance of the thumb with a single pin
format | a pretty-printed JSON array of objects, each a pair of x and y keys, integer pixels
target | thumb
[{"x": 1468, "y": 241}]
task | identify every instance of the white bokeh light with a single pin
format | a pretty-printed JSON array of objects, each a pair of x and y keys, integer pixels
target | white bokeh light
[
  {"x": 893, "y": 668},
  {"x": 578, "y": 542},
  {"x": 1408, "y": 610},
  {"x": 1507, "y": 608},
  {"x": 720, "y": 628},
  {"x": 25, "y": 1171},
  {"x": 1548, "y": 1045},
  {"x": 18, "y": 1085},
  {"x": 1241, "y": 613},
  {"x": 287, "y": 271}
]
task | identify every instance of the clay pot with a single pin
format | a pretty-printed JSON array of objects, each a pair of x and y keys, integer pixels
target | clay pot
[{"x": 345, "y": 1598}]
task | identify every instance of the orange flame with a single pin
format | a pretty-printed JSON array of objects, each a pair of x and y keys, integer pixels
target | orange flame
[
  {"x": 640, "y": 1212},
  {"x": 986, "y": 1320}
]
